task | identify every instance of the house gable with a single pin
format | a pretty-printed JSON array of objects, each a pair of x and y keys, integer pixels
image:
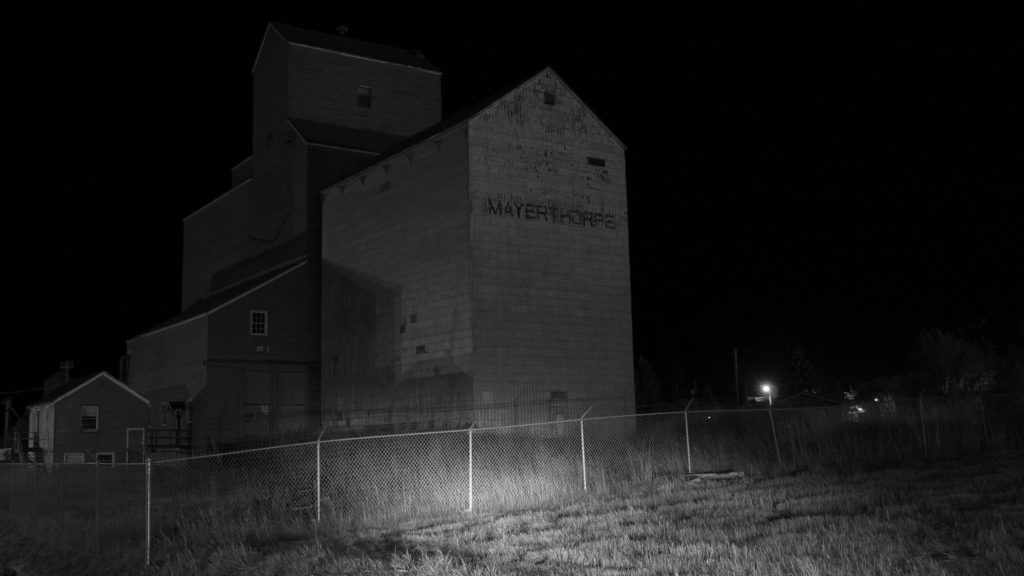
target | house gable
[
  {"x": 91, "y": 418},
  {"x": 91, "y": 381}
]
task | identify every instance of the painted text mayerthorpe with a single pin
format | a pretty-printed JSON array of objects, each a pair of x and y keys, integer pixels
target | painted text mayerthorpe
[{"x": 550, "y": 213}]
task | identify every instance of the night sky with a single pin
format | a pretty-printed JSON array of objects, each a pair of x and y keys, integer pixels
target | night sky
[{"x": 838, "y": 180}]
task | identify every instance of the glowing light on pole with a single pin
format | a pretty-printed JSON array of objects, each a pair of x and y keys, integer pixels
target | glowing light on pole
[{"x": 768, "y": 389}]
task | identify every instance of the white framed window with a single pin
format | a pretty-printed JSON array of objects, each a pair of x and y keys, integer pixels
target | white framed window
[
  {"x": 258, "y": 323},
  {"x": 90, "y": 416},
  {"x": 105, "y": 458},
  {"x": 74, "y": 457}
]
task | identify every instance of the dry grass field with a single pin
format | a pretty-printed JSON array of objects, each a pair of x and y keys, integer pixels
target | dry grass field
[{"x": 953, "y": 517}]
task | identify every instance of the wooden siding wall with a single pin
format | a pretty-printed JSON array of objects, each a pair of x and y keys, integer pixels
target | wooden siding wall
[
  {"x": 118, "y": 411},
  {"x": 323, "y": 87},
  {"x": 269, "y": 97},
  {"x": 169, "y": 365},
  {"x": 257, "y": 220},
  {"x": 291, "y": 314},
  {"x": 290, "y": 346},
  {"x": 219, "y": 412},
  {"x": 215, "y": 238},
  {"x": 397, "y": 328},
  {"x": 551, "y": 292}
]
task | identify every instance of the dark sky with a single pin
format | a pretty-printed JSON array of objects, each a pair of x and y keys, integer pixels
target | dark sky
[{"x": 835, "y": 179}]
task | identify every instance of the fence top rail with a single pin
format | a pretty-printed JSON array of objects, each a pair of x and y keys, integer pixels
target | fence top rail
[
  {"x": 528, "y": 425},
  {"x": 79, "y": 464},
  {"x": 234, "y": 452},
  {"x": 711, "y": 411},
  {"x": 379, "y": 436}
]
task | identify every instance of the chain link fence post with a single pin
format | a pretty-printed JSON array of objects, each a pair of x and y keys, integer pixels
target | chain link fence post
[
  {"x": 149, "y": 509},
  {"x": 33, "y": 499},
  {"x": 96, "y": 486},
  {"x": 318, "y": 468},
  {"x": 686, "y": 425},
  {"x": 319, "y": 477},
  {"x": 924, "y": 435},
  {"x": 60, "y": 502},
  {"x": 470, "y": 509},
  {"x": 583, "y": 448},
  {"x": 986, "y": 439}
]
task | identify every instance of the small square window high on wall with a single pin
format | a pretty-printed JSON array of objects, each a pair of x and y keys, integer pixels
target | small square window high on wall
[
  {"x": 258, "y": 323},
  {"x": 365, "y": 97},
  {"x": 90, "y": 418}
]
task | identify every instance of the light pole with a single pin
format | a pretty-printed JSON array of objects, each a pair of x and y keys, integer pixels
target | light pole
[{"x": 767, "y": 388}]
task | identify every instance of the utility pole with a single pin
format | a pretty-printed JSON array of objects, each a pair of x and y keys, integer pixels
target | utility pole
[
  {"x": 736, "y": 373},
  {"x": 7, "y": 414}
]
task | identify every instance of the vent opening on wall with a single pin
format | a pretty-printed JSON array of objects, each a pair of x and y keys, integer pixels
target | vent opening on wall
[
  {"x": 549, "y": 98},
  {"x": 595, "y": 161},
  {"x": 365, "y": 97}
]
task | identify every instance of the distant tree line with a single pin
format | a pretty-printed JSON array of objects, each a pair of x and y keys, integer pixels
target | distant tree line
[{"x": 942, "y": 363}]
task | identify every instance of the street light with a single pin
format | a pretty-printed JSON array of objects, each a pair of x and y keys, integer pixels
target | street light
[{"x": 767, "y": 388}]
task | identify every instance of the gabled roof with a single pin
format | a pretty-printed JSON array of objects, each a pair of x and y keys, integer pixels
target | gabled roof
[
  {"x": 207, "y": 306},
  {"x": 465, "y": 115},
  {"x": 349, "y": 46},
  {"x": 77, "y": 384}
]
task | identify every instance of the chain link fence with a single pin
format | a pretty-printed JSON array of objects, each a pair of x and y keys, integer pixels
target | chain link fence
[
  {"x": 265, "y": 494},
  {"x": 78, "y": 507}
]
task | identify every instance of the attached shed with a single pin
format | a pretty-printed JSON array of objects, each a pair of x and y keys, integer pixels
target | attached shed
[{"x": 96, "y": 419}]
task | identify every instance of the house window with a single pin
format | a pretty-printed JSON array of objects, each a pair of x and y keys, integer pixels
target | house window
[
  {"x": 105, "y": 458},
  {"x": 258, "y": 322},
  {"x": 74, "y": 457},
  {"x": 549, "y": 98},
  {"x": 365, "y": 98},
  {"x": 90, "y": 418},
  {"x": 595, "y": 161}
]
